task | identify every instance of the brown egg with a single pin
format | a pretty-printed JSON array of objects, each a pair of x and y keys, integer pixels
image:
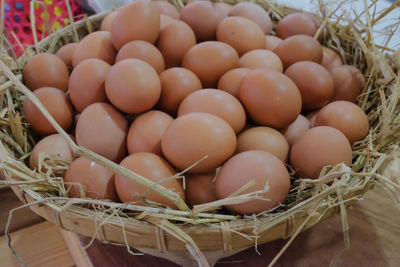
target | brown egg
[
  {"x": 165, "y": 21},
  {"x": 298, "y": 23},
  {"x": 271, "y": 42},
  {"x": 296, "y": 129},
  {"x": 139, "y": 20},
  {"x": 96, "y": 181},
  {"x": 319, "y": 147},
  {"x": 199, "y": 188},
  {"x": 133, "y": 86},
  {"x": 56, "y": 103},
  {"x": 86, "y": 85},
  {"x": 95, "y": 45},
  {"x": 299, "y": 48},
  {"x": 314, "y": 82},
  {"x": 265, "y": 139},
  {"x": 144, "y": 51},
  {"x": 46, "y": 70},
  {"x": 174, "y": 41},
  {"x": 311, "y": 117},
  {"x": 146, "y": 131},
  {"x": 270, "y": 98},
  {"x": 203, "y": 17},
  {"x": 230, "y": 81},
  {"x": 66, "y": 53},
  {"x": 330, "y": 59},
  {"x": 107, "y": 21},
  {"x": 102, "y": 129},
  {"x": 265, "y": 169},
  {"x": 241, "y": 33},
  {"x": 152, "y": 167},
  {"x": 193, "y": 136},
  {"x": 253, "y": 12},
  {"x": 349, "y": 83},
  {"x": 199, "y": 57},
  {"x": 225, "y": 6},
  {"x": 215, "y": 102},
  {"x": 345, "y": 116},
  {"x": 166, "y": 8},
  {"x": 176, "y": 84},
  {"x": 261, "y": 59},
  {"x": 53, "y": 144}
]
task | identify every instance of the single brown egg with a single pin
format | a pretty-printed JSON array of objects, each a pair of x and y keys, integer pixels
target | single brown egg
[
  {"x": 66, "y": 53},
  {"x": 230, "y": 81},
  {"x": 345, "y": 116},
  {"x": 330, "y": 59},
  {"x": 146, "y": 131},
  {"x": 46, "y": 70},
  {"x": 139, "y": 20},
  {"x": 193, "y": 136},
  {"x": 133, "y": 86},
  {"x": 315, "y": 83},
  {"x": 95, "y": 45},
  {"x": 311, "y": 117},
  {"x": 319, "y": 147},
  {"x": 218, "y": 103},
  {"x": 199, "y": 57},
  {"x": 253, "y": 12},
  {"x": 199, "y": 188},
  {"x": 349, "y": 83},
  {"x": 261, "y": 59},
  {"x": 298, "y": 23},
  {"x": 268, "y": 173},
  {"x": 299, "y": 48},
  {"x": 174, "y": 41},
  {"x": 295, "y": 130},
  {"x": 241, "y": 33},
  {"x": 86, "y": 84},
  {"x": 203, "y": 17},
  {"x": 152, "y": 167},
  {"x": 102, "y": 129},
  {"x": 56, "y": 103},
  {"x": 142, "y": 50},
  {"x": 165, "y": 21},
  {"x": 93, "y": 179},
  {"x": 270, "y": 98},
  {"x": 176, "y": 84},
  {"x": 271, "y": 42},
  {"x": 107, "y": 21},
  {"x": 166, "y": 8},
  {"x": 225, "y": 6}
]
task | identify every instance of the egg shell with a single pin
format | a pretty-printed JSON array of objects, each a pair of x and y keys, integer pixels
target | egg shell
[
  {"x": 166, "y": 8},
  {"x": 218, "y": 103},
  {"x": 56, "y": 103},
  {"x": 330, "y": 59},
  {"x": 349, "y": 83},
  {"x": 265, "y": 169},
  {"x": 191, "y": 137},
  {"x": 311, "y": 117},
  {"x": 86, "y": 84},
  {"x": 152, "y": 167},
  {"x": 271, "y": 42},
  {"x": 225, "y": 6},
  {"x": 299, "y": 48},
  {"x": 298, "y": 23},
  {"x": 198, "y": 58},
  {"x": 296, "y": 129},
  {"x": 107, "y": 21},
  {"x": 199, "y": 188},
  {"x": 345, "y": 116},
  {"x": 46, "y": 70},
  {"x": 95, "y": 45},
  {"x": 133, "y": 86},
  {"x": 318, "y": 147},
  {"x": 175, "y": 40},
  {"x": 270, "y": 98},
  {"x": 231, "y": 80},
  {"x": 165, "y": 21},
  {"x": 139, "y": 20},
  {"x": 241, "y": 33},
  {"x": 66, "y": 52},
  {"x": 203, "y": 17},
  {"x": 253, "y": 12},
  {"x": 102, "y": 129},
  {"x": 97, "y": 181},
  {"x": 142, "y": 50},
  {"x": 261, "y": 59}
]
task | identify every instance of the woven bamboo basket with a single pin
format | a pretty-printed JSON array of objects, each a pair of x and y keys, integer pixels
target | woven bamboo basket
[{"x": 189, "y": 237}]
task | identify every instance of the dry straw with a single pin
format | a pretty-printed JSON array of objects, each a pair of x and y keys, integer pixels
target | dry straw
[{"x": 204, "y": 235}]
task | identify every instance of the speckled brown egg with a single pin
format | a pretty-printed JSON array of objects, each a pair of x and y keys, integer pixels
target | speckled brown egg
[
  {"x": 193, "y": 136},
  {"x": 46, "y": 70},
  {"x": 330, "y": 59},
  {"x": 253, "y": 12},
  {"x": 271, "y": 42},
  {"x": 166, "y": 8},
  {"x": 107, "y": 21},
  {"x": 349, "y": 83},
  {"x": 298, "y": 23},
  {"x": 231, "y": 80},
  {"x": 295, "y": 130},
  {"x": 66, "y": 53},
  {"x": 268, "y": 173},
  {"x": 199, "y": 188},
  {"x": 56, "y": 103},
  {"x": 199, "y": 57},
  {"x": 261, "y": 59},
  {"x": 319, "y": 147},
  {"x": 102, "y": 129}
]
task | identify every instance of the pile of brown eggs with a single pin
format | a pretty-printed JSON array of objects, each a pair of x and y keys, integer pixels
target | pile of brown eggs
[{"x": 209, "y": 90}]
